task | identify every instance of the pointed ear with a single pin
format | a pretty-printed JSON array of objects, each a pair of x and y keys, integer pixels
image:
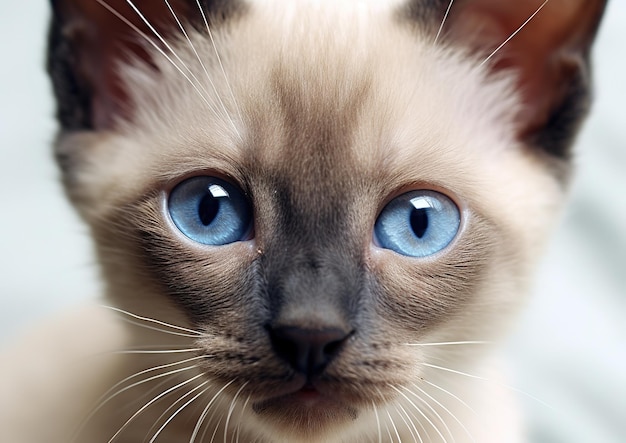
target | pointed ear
[
  {"x": 87, "y": 43},
  {"x": 550, "y": 56}
]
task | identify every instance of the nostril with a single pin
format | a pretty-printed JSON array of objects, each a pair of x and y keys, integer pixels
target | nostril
[
  {"x": 307, "y": 350},
  {"x": 283, "y": 346},
  {"x": 333, "y": 347}
]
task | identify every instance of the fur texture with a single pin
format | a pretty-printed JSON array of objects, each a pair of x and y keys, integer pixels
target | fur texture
[{"x": 321, "y": 114}]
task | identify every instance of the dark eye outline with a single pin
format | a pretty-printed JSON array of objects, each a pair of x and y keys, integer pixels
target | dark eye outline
[
  {"x": 458, "y": 224},
  {"x": 182, "y": 217}
]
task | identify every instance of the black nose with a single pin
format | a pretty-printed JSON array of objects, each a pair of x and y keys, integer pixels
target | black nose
[{"x": 307, "y": 350}]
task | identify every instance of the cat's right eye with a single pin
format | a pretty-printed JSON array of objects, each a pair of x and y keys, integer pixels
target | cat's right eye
[{"x": 210, "y": 211}]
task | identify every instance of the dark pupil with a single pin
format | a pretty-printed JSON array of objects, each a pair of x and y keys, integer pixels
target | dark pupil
[
  {"x": 208, "y": 208},
  {"x": 419, "y": 222}
]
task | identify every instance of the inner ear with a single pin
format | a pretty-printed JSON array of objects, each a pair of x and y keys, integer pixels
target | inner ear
[
  {"x": 549, "y": 55},
  {"x": 89, "y": 40}
]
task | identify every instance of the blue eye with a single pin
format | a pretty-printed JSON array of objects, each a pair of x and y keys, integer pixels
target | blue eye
[
  {"x": 210, "y": 211},
  {"x": 418, "y": 223}
]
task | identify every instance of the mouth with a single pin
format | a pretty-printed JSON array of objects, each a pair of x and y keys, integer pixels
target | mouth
[
  {"x": 308, "y": 393},
  {"x": 306, "y": 404}
]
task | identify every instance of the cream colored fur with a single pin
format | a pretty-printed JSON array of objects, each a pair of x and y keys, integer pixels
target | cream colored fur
[{"x": 430, "y": 117}]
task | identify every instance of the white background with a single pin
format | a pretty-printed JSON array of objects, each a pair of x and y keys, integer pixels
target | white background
[{"x": 570, "y": 347}]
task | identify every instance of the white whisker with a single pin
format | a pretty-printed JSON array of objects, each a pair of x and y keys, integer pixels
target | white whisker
[
  {"x": 388, "y": 431},
  {"x": 154, "y": 437},
  {"x": 443, "y": 21},
  {"x": 154, "y": 328},
  {"x": 454, "y": 371},
  {"x": 145, "y": 371},
  {"x": 477, "y": 377},
  {"x": 152, "y": 320},
  {"x": 422, "y": 427},
  {"x": 155, "y": 351},
  {"x": 173, "y": 405},
  {"x": 395, "y": 428},
  {"x": 452, "y": 395},
  {"x": 162, "y": 40},
  {"x": 214, "y": 430},
  {"x": 155, "y": 46},
  {"x": 433, "y": 410},
  {"x": 144, "y": 407},
  {"x": 380, "y": 435},
  {"x": 515, "y": 32},
  {"x": 206, "y": 411},
  {"x": 193, "y": 48},
  {"x": 447, "y": 410},
  {"x": 231, "y": 408},
  {"x": 156, "y": 347},
  {"x": 386, "y": 424},
  {"x": 243, "y": 408},
  {"x": 219, "y": 60},
  {"x": 409, "y": 424},
  {"x": 417, "y": 408},
  {"x": 108, "y": 396},
  {"x": 450, "y": 343}
]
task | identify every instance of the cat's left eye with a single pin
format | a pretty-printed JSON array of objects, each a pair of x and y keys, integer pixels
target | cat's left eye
[
  {"x": 210, "y": 211},
  {"x": 418, "y": 223}
]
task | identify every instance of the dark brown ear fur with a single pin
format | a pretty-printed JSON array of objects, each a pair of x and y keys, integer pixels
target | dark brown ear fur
[
  {"x": 550, "y": 56},
  {"x": 89, "y": 39}
]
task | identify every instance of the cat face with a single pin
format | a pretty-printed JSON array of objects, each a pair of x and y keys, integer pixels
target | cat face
[{"x": 252, "y": 184}]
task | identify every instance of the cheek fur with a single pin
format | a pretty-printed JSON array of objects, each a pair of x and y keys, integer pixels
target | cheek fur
[
  {"x": 210, "y": 284},
  {"x": 418, "y": 295}
]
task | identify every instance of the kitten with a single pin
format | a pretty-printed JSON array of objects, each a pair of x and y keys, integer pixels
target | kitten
[{"x": 311, "y": 216}]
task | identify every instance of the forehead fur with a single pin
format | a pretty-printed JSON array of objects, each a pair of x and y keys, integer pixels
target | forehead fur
[{"x": 358, "y": 95}]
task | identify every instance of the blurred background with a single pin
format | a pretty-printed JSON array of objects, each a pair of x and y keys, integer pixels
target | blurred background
[{"x": 568, "y": 352}]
